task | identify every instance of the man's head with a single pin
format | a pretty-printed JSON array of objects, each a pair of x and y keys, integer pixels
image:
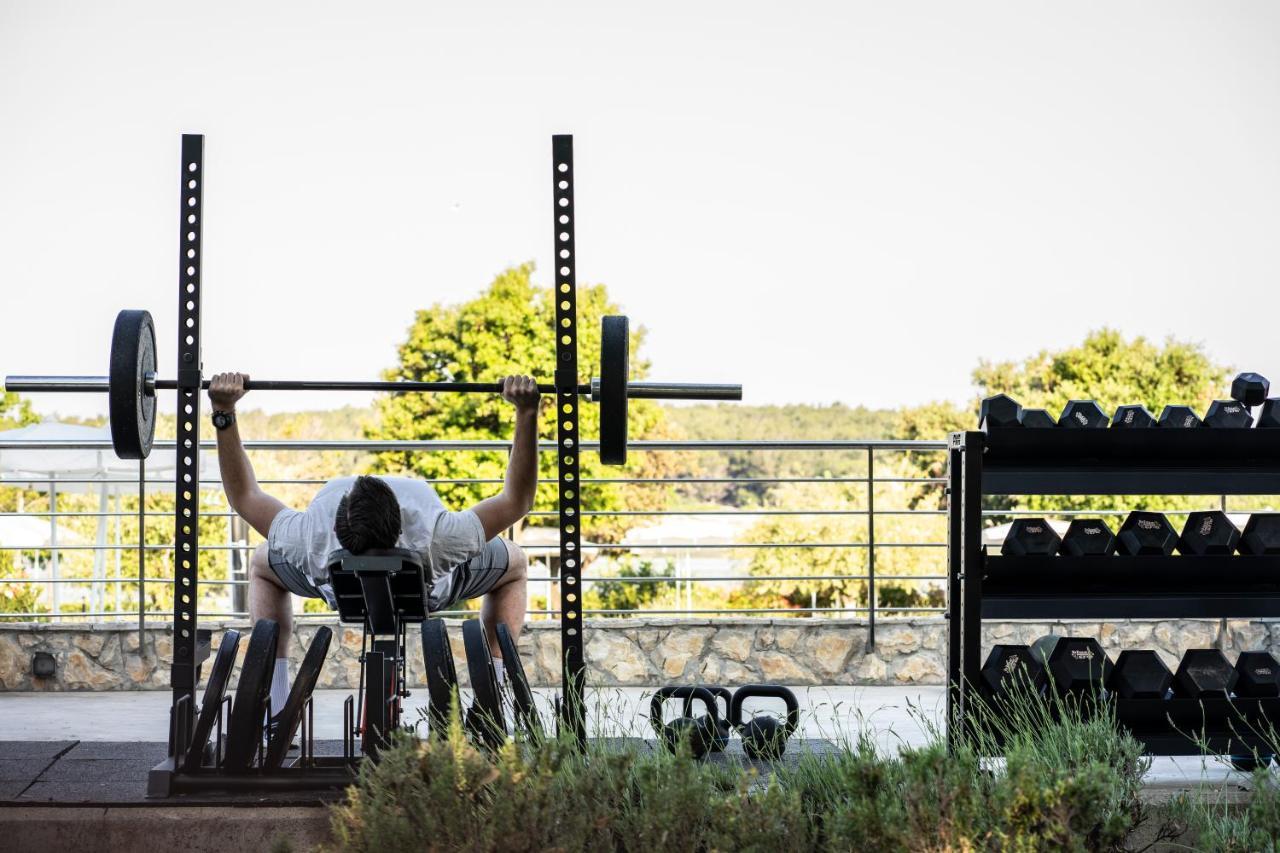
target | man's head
[{"x": 368, "y": 517}]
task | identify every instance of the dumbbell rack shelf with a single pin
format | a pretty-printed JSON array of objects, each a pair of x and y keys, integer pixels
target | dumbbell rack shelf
[
  {"x": 1138, "y": 587},
  {"x": 1112, "y": 462}
]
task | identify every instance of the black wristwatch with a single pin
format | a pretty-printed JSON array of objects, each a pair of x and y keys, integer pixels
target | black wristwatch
[{"x": 222, "y": 420}]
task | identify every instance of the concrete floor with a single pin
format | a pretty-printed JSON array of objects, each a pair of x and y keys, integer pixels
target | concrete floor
[{"x": 894, "y": 716}]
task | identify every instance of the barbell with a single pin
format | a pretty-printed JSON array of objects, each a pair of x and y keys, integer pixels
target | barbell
[{"x": 132, "y": 384}]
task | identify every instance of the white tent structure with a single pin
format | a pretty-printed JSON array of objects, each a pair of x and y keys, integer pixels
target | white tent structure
[
  {"x": 19, "y": 530},
  {"x": 55, "y": 458},
  {"x": 74, "y": 454}
]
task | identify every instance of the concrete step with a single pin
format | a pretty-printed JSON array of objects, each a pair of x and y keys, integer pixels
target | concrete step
[{"x": 197, "y": 829}]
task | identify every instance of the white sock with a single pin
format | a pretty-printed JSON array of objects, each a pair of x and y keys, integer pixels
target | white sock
[
  {"x": 499, "y": 671},
  {"x": 280, "y": 685}
]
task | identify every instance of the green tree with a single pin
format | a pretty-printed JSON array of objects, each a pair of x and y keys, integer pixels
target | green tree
[
  {"x": 15, "y": 412},
  {"x": 838, "y": 573},
  {"x": 14, "y": 597},
  {"x": 1105, "y": 367},
  {"x": 630, "y": 595},
  {"x": 506, "y": 330},
  {"x": 732, "y": 421},
  {"x": 1110, "y": 369}
]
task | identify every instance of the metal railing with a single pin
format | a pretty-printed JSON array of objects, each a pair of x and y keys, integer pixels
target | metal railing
[
  {"x": 861, "y": 498},
  {"x": 869, "y": 509}
]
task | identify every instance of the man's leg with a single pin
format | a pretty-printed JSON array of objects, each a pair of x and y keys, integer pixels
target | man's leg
[
  {"x": 507, "y": 600},
  {"x": 268, "y": 599}
]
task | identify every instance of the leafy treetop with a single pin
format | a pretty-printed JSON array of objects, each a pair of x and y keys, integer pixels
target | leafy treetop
[{"x": 507, "y": 329}]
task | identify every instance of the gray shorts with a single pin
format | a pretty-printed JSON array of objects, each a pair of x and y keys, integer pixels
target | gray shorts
[{"x": 471, "y": 579}]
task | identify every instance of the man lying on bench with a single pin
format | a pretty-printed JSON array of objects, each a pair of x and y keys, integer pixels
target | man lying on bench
[{"x": 462, "y": 551}]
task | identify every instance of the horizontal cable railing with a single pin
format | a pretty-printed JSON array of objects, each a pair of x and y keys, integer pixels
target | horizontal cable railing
[
  {"x": 727, "y": 559},
  {"x": 790, "y": 538}
]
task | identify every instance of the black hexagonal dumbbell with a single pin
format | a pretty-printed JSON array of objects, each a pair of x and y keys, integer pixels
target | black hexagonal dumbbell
[
  {"x": 1088, "y": 537},
  {"x": 999, "y": 412},
  {"x": 1179, "y": 417},
  {"x": 1146, "y": 534},
  {"x": 1075, "y": 665},
  {"x": 1132, "y": 417},
  {"x": 1139, "y": 674},
  {"x": 1257, "y": 674},
  {"x": 1208, "y": 533},
  {"x": 1037, "y": 419},
  {"x": 1261, "y": 536},
  {"x": 1269, "y": 417},
  {"x": 1228, "y": 414},
  {"x": 1204, "y": 674},
  {"x": 1250, "y": 389},
  {"x": 1083, "y": 414},
  {"x": 1030, "y": 537},
  {"x": 1011, "y": 668}
]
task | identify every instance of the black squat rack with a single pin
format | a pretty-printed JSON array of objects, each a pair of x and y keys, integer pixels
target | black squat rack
[
  {"x": 182, "y": 771},
  {"x": 1112, "y": 462}
]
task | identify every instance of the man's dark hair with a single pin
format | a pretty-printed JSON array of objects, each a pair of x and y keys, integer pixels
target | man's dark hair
[{"x": 368, "y": 516}]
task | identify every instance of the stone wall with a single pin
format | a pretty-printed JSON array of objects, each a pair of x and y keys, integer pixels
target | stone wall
[{"x": 628, "y": 652}]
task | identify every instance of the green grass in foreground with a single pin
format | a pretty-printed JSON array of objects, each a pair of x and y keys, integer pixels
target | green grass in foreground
[{"x": 1069, "y": 781}]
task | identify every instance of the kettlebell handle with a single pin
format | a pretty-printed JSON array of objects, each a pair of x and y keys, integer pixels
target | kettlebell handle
[
  {"x": 719, "y": 692},
  {"x": 765, "y": 691},
  {"x": 688, "y": 694}
]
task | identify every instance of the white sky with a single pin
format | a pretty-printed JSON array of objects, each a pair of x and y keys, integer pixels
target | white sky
[{"x": 847, "y": 201}]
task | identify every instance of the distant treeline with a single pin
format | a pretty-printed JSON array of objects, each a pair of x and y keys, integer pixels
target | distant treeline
[{"x": 775, "y": 423}]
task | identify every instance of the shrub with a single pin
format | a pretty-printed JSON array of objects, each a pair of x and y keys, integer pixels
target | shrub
[{"x": 1069, "y": 781}]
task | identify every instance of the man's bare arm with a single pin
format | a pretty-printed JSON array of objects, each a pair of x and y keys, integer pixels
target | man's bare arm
[
  {"x": 516, "y": 499},
  {"x": 244, "y": 494}
]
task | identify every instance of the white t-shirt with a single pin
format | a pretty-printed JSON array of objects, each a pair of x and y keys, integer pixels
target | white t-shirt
[{"x": 441, "y": 538}]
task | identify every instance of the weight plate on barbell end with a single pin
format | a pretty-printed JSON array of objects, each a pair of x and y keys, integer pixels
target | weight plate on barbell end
[
  {"x": 132, "y": 410},
  {"x": 615, "y": 370}
]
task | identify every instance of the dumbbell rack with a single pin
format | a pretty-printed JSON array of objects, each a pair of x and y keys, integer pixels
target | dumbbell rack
[{"x": 1112, "y": 462}]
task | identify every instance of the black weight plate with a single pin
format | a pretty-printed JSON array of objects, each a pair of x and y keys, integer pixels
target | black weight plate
[
  {"x": 442, "y": 677},
  {"x": 290, "y": 716},
  {"x": 244, "y": 735},
  {"x": 486, "y": 718},
  {"x": 527, "y": 718},
  {"x": 214, "y": 690},
  {"x": 132, "y": 410},
  {"x": 615, "y": 370}
]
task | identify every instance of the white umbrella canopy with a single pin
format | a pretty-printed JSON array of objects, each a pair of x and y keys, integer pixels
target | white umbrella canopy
[
  {"x": 32, "y": 531},
  {"x": 72, "y": 458},
  {"x": 34, "y": 466}
]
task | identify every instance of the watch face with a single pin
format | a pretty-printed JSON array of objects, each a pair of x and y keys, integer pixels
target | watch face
[{"x": 221, "y": 420}]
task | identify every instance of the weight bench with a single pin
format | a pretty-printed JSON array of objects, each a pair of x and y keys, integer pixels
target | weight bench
[{"x": 385, "y": 591}]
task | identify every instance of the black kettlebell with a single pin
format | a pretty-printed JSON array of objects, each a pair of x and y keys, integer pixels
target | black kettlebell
[
  {"x": 698, "y": 732},
  {"x": 721, "y": 727},
  {"x": 765, "y": 736}
]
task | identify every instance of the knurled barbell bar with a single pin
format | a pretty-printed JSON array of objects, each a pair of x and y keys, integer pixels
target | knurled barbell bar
[{"x": 132, "y": 385}]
